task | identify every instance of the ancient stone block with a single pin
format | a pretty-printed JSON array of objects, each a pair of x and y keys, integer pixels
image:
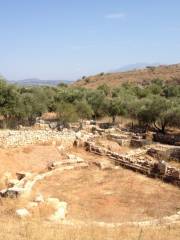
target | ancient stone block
[
  {"x": 162, "y": 166},
  {"x": 104, "y": 164},
  {"x": 11, "y": 192},
  {"x": 39, "y": 198},
  {"x": 138, "y": 142},
  {"x": 60, "y": 207},
  {"x": 21, "y": 175},
  {"x": 22, "y": 213}
]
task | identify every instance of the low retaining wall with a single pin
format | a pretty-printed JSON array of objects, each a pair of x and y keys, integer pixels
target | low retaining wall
[
  {"x": 153, "y": 169},
  {"x": 165, "y": 153},
  {"x": 25, "y": 181}
]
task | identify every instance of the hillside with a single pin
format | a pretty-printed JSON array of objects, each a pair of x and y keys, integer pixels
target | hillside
[{"x": 168, "y": 73}]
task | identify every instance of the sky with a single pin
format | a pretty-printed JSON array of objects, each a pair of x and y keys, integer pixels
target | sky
[{"x": 67, "y": 39}]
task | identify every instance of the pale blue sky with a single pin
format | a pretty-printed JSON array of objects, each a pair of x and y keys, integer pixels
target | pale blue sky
[{"x": 65, "y": 39}]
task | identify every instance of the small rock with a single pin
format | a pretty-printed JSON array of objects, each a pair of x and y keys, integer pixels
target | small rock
[
  {"x": 22, "y": 213},
  {"x": 12, "y": 182},
  {"x": 172, "y": 218},
  {"x": 104, "y": 165},
  {"x": 54, "y": 202},
  {"x": 60, "y": 207},
  {"x": 117, "y": 167},
  {"x": 59, "y": 215},
  {"x": 13, "y": 192},
  {"x": 39, "y": 198},
  {"x": 74, "y": 159},
  {"x": 61, "y": 149},
  {"x": 21, "y": 175},
  {"x": 53, "y": 125}
]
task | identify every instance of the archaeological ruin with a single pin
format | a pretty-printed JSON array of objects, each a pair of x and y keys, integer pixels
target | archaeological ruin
[{"x": 92, "y": 153}]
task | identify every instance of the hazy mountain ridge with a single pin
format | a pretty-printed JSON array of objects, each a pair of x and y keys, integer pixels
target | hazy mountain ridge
[
  {"x": 39, "y": 82},
  {"x": 135, "y": 66}
]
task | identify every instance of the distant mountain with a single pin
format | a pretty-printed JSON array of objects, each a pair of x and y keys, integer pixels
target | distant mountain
[
  {"x": 39, "y": 82},
  {"x": 135, "y": 66}
]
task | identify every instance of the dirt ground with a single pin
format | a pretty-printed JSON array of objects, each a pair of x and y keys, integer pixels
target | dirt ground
[
  {"x": 33, "y": 158},
  {"x": 112, "y": 195},
  {"x": 92, "y": 194}
]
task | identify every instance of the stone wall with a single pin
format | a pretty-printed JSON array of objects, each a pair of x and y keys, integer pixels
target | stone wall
[
  {"x": 166, "y": 153},
  {"x": 129, "y": 139},
  {"x": 158, "y": 169}
]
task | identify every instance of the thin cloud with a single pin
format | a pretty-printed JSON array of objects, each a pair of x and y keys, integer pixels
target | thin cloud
[{"x": 115, "y": 16}]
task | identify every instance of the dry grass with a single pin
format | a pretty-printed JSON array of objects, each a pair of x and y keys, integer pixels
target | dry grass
[
  {"x": 169, "y": 73},
  {"x": 13, "y": 229}
]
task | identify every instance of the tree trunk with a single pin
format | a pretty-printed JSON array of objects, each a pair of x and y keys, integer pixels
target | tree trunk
[
  {"x": 163, "y": 128},
  {"x": 113, "y": 119},
  {"x": 81, "y": 124},
  {"x": 160, "y": 129}
]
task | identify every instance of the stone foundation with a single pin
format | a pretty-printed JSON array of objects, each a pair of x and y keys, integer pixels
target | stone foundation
[
  {"x": 158, "y": 169},
  {"x": 164, "y": 152}
]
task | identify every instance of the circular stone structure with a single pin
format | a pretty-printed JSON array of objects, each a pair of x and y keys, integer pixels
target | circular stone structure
[{"x": 116, "y": 195}]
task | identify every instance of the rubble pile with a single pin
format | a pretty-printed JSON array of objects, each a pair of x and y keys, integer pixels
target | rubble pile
[{"x": 15, "y": 138}]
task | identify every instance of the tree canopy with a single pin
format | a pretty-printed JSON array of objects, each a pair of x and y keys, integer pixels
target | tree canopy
[{"x": 156, "y": 104}]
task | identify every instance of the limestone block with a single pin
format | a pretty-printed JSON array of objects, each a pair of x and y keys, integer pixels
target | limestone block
[
  {"x": 60, "y": 207},
  {"x": 12, "y": 192},
  {"x": 21, "y": 175},
  {"x": 39, "y": 198},
  {"x": 74, "y": 159},
  {"x": 22, "y": 213},
  {"x": 162, "y": 166},
  {"x": 104, "y": 164}
]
